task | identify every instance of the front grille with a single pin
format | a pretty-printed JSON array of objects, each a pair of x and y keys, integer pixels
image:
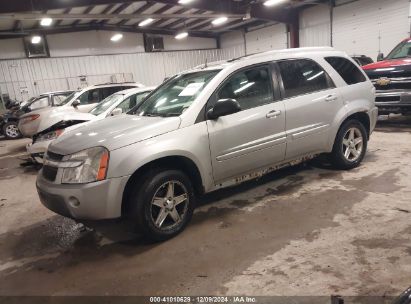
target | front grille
[
  {"x": 50, "y": 173},
  {"x": 403, "y": 86},
  {"x": 387, "y": 98}
]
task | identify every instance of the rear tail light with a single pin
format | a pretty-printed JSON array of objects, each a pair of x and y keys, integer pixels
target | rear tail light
[{"x": 29, "y": 118}]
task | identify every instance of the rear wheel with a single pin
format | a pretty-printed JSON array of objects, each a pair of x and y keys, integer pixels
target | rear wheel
[
  {"x": 350, "y": 145},
  {"x": 163, "y": 204},
  {"x": 11, "y": 130}
]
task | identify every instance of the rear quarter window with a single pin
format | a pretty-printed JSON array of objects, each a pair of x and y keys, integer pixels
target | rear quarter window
[{"x": 347, "y": 70}]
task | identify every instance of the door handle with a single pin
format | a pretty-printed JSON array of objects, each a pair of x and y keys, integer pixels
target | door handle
[
  {"x": 273, "y": 114},
  {"x": 331, "y": 98}
]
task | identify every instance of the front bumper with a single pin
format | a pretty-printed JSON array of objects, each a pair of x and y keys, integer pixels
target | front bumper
[
  {"x": 37, "y": 150},
  {"x": 393, "y": 101},
  {"x": 373, "y": 115},
  {"x": 92, "y": 201}
]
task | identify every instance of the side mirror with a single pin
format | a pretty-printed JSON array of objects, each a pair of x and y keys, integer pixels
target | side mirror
[
  {"x": 116, "y": 111},
  {"x": 76, "y": 103},
  {"x": 223, "y": 107},
  {"x": 380, "y": 57}
]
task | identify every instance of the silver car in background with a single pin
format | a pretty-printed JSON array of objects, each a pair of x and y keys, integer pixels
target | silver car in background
[
  {"x": 211, "y": 127},
  {"x": 83, "y": 101},
  {"x": 63, "y": 122}
]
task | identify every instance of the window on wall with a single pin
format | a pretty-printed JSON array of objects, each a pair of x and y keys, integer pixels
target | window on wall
[
  {"x": 347, "y": 70},
  {"x": 251, "y": 88},
  {"x": 303, "y": 76}
]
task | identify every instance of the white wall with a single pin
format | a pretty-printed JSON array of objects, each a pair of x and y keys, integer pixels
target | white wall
[
  {"x": 99, "y": 43},
  {"x": 368, "y": 26},
  {"x": 269, "y": 38},
  {"x": 233, "y": 43},
  {"x": 315, "y": 26}
]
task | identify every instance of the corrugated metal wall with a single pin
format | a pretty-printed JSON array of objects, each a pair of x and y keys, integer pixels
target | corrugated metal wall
[
  {"x": 315, "y": 26},
  {"x": 368, "y": 26},
  {"x": 24, "y": 78}
]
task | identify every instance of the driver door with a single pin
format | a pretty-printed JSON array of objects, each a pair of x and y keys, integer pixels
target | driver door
[{"x": 255, "y": 137}]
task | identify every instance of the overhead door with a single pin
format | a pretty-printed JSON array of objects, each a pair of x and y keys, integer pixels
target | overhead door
[
  {"x": 366, "y": 27},
  {"x": 269, "y": 38},
  {"x": 315, "y": 26}
]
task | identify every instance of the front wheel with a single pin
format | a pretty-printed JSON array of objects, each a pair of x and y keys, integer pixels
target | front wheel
[
  {"x": 163, "y": 204},
  {"x": 350, "y": 145},
  {"x": 11, "y": 130}
]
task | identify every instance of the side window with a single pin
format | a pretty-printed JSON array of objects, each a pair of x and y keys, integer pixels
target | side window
[
  {"x": 127, "y": 103},
  {"x": 91, "y": 96},
  {"x": 303, "y": 76},
  {"x": 347, "y": 70},
  {"x": 251, "y": 88},
  {"x": 57, "y": 99},
  {"x": 40, "y": 103},
  {"x": 111, "y": 90}
]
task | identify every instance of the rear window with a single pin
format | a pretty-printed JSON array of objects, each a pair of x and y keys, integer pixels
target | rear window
[{"x": 347, "y": 70}]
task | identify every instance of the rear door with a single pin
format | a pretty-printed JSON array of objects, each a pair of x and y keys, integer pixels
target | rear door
[
  {"x": 311, "y": 102},
  {"x": 254, "y": 137}
]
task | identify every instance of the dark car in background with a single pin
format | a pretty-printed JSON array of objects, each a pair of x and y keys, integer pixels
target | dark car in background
[
  {"x": 362, "y": 59},
  {"x": 391, "y": 77},
  {"x": 9, "y": 120}
]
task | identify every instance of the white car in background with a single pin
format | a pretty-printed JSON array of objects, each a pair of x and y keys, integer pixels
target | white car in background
[
  {"x": 81, "y": 101},
  {"x": 63, "y": 122}
]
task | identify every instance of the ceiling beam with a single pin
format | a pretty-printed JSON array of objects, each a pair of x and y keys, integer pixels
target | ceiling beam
[
  {"x": 105, "y": 11},
  {"x": 66, "y": 11},
  {"x": 86, "y": 11},
  {"x": 119, "y": 9},
  {"x": 138, "y": 11},
  {"x": 160, "y": 21},
  {"x": 18, "y": 6},
  {"x": 113, "y": 15}
]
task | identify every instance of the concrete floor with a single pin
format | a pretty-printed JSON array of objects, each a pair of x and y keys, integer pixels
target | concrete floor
[{"x": 306, "y": 230}]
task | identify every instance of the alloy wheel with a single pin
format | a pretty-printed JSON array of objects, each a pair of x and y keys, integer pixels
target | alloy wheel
[
  {"x": 352, "y": 144},
  {"x": 12, "y": 131},
  {"x": 169, "y": 205}
]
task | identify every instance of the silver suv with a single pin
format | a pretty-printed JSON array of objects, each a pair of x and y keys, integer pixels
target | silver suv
[{"x": 208, "y": 128}]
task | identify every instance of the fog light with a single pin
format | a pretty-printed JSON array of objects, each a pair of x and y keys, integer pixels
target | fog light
[{"x": 74, "y": 201}]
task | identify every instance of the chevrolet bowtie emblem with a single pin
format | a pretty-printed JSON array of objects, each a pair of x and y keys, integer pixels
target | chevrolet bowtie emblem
[{"x": 383, "y": 81}]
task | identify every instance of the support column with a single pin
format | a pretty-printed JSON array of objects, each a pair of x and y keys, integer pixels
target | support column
[{"x": 294, "y": 29}]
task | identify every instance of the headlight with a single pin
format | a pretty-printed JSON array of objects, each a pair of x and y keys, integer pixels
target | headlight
[
  {"x": 29, "y": 118},
  {"x": 50, "y": 135},
  {"x": 85, "y": 166}
]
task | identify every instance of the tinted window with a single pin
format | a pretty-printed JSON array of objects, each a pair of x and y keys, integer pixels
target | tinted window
[
  {"x": 347, "y": 70},
  {"x": 303, "y": 76},
  {"x": 251, "y": 88},
  {"x": 42, "y": 102},
  {"x": 91, "y": 96}
]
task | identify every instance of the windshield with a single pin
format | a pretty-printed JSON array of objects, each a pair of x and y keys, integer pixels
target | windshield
[
  {"x": 67, "y": 99},
  {"x": 176, "y": 95},
  {"x": 403, "y": 50},
  {"x": 106, "y": 103}
]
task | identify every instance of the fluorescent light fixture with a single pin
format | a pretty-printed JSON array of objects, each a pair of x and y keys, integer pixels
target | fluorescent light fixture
[
  {"x": 184, "y": 1},
  {"x": 219, "y": 20},
  {"x": 46, "y": 21},
  {"x": 35, "y": 39},
  {"x": 146, "y": 22},
  {"x": 181, "y": 35},
  {"x": 116, "y": 37},
  {"x": 273, "y": 2}
]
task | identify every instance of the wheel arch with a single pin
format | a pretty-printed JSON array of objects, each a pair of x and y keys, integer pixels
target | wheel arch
[{"x": 177, "y": 162}]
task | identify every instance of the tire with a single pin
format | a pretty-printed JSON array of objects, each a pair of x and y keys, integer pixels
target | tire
[
  {"x": 11, "y": 130},
  {"x": 145, "y": 210},
  {"x": 351, "y": 136}
]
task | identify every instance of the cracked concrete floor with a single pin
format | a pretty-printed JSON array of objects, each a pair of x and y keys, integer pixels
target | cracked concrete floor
[{"x": 307, "y": 230}]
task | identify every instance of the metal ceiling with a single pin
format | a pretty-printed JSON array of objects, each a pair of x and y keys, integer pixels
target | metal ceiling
[{"x": 21, "y": 17}]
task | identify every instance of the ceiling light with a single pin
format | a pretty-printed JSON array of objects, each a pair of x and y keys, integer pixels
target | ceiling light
[
  {"x": 273, "y": 2},
  {"x": 146, "y": 22},
  {"x": 219, "y": 20},
  {"x": 35, "y": 39},
  {"x": 181, "y": 35},
  {"x": 46, "y": 21},
  {"x": 184, "y": 1},
  {"x": 116, "y": 37}
]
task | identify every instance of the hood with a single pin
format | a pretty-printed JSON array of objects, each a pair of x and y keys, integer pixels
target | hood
[
  {"x": 389, "y": 68},
  {"x": 54, "y": 117},
  {"x": 113, "y": 133}
]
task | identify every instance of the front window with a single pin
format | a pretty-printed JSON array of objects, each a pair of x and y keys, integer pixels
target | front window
[
  {"x": 106, "y": 103},
  {"x": 403, "y": 50},
  {"x": 176, "y": 95},
  {"x": 70, "y": 97}
]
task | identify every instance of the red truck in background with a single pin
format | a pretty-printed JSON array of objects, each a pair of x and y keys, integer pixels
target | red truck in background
[{"x": 391, "y": 77}]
